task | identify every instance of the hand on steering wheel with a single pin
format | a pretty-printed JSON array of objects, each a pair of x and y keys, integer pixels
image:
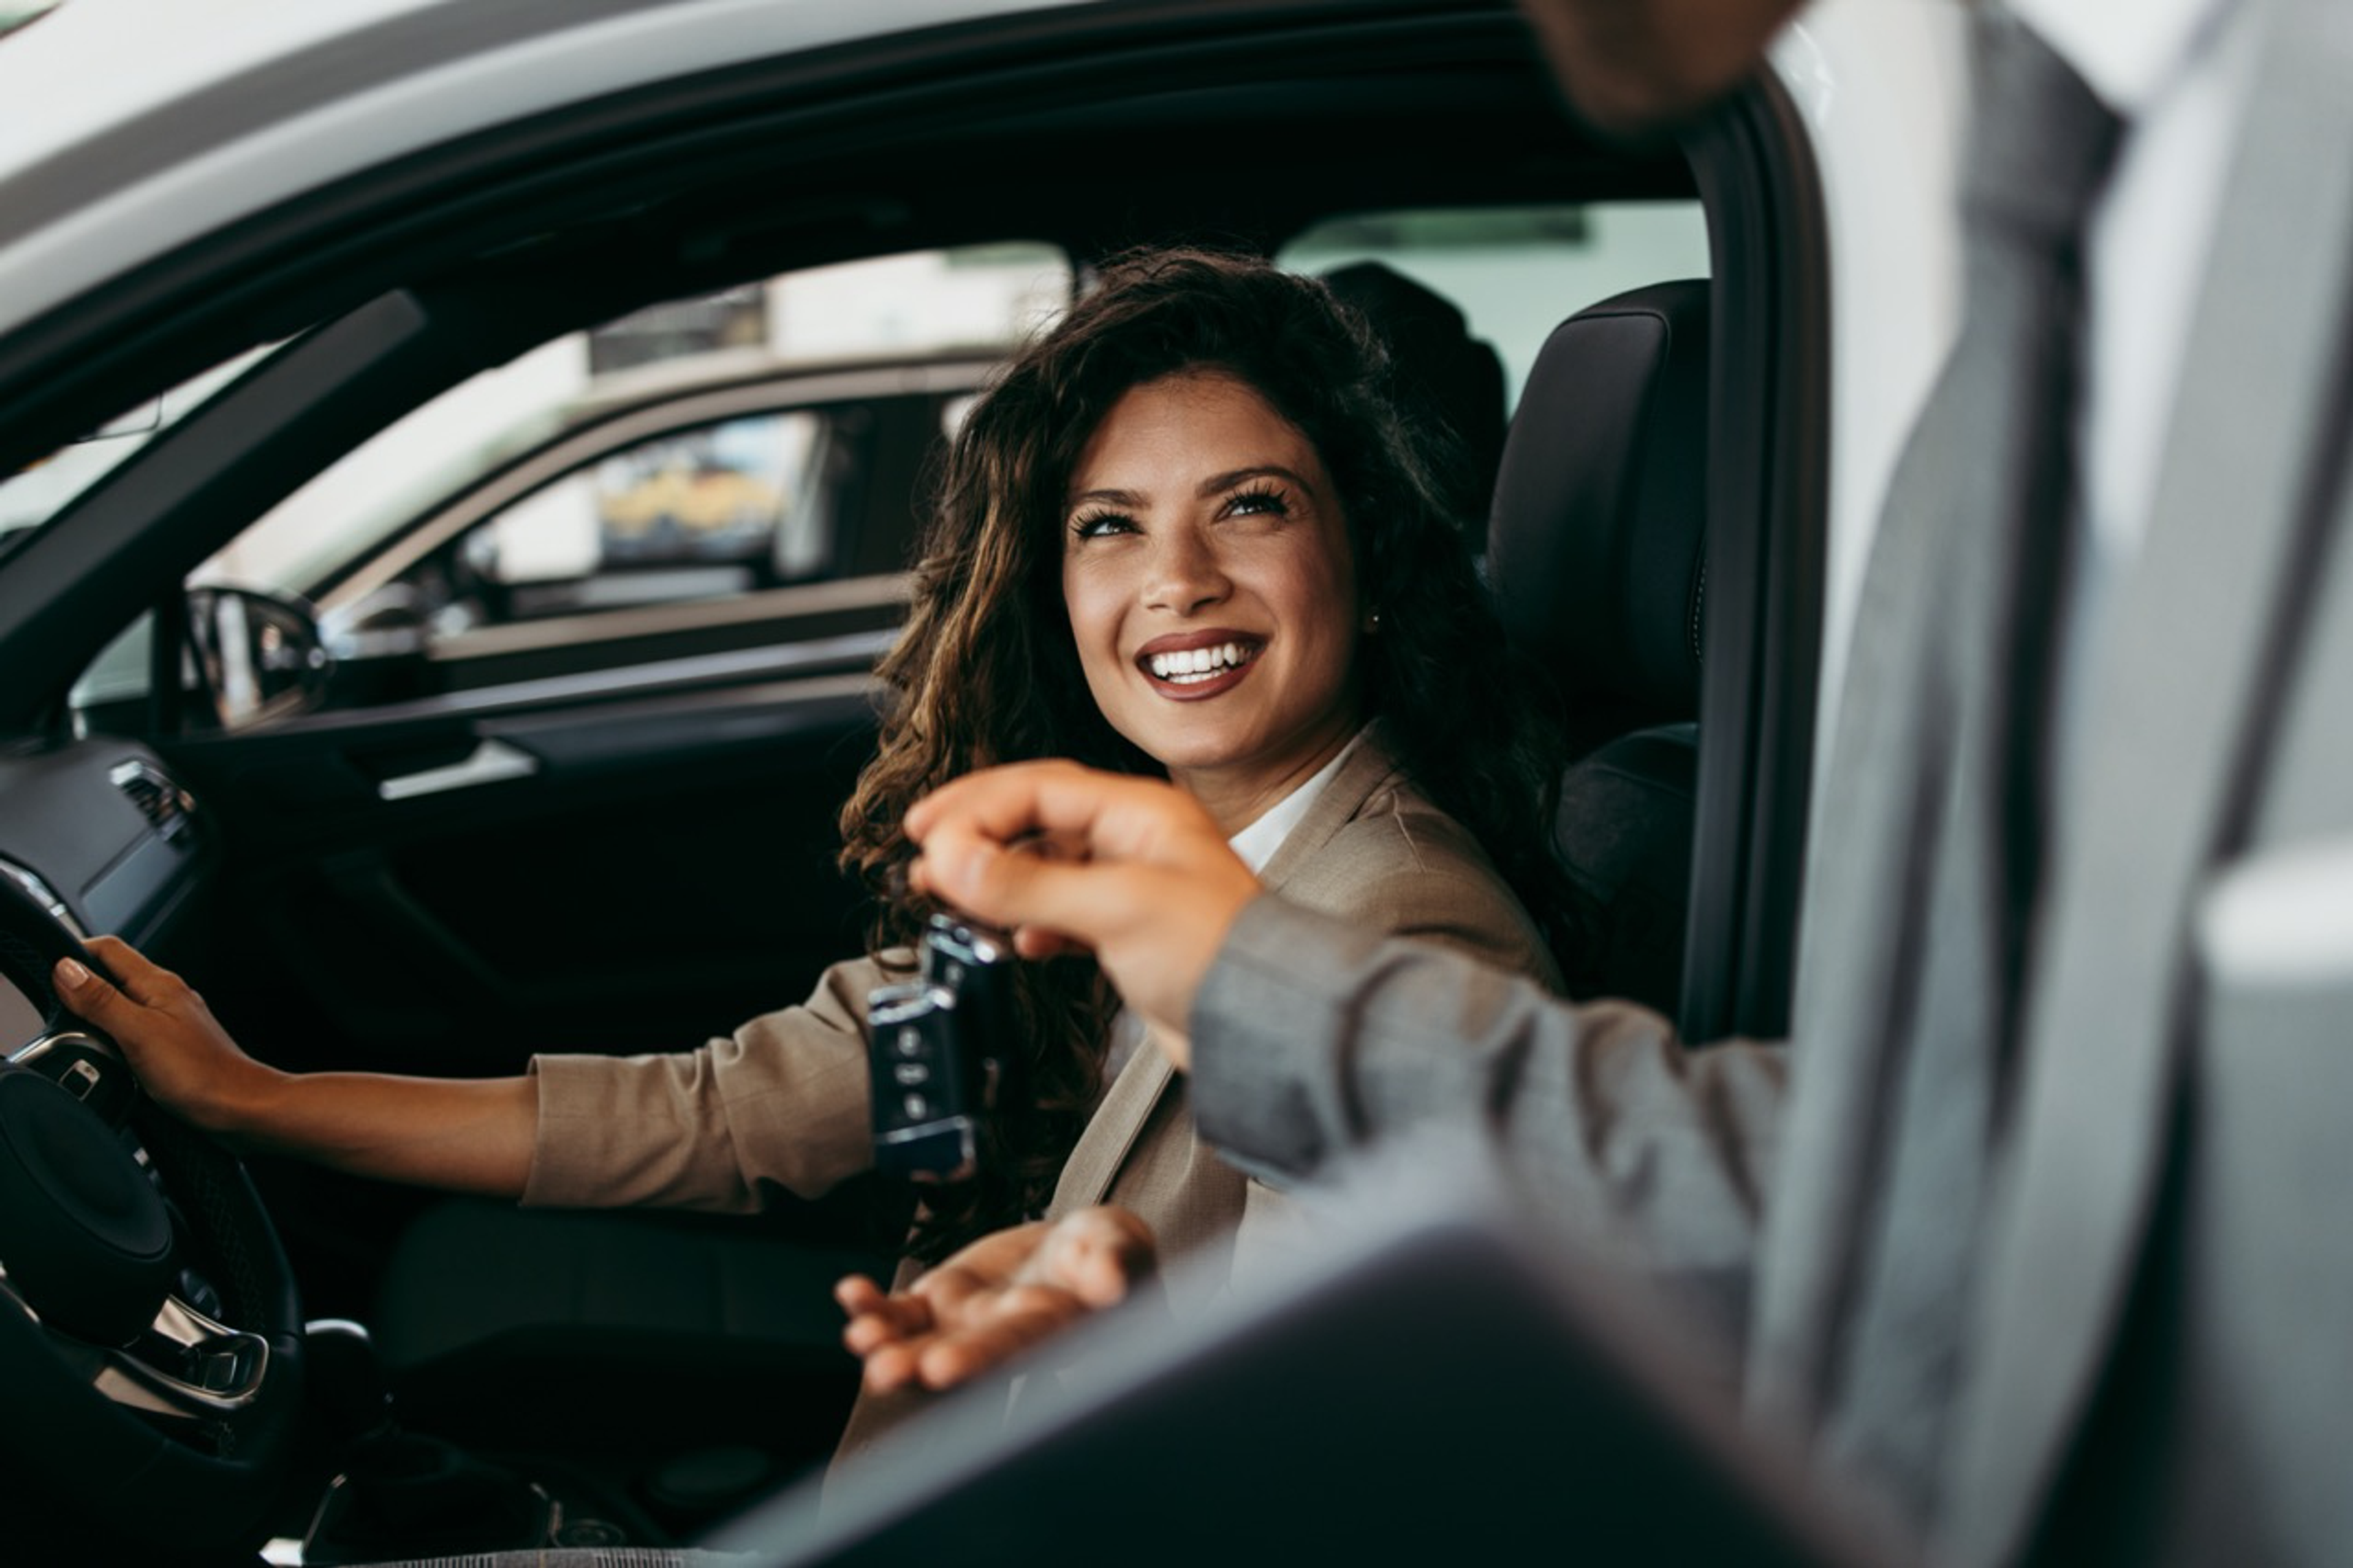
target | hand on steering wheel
[{"x": 150, "y": 1334}]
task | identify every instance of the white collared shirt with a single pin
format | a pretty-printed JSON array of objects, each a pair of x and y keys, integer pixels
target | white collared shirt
[
  {"x": 1257, "y": 843},
  {"x": 2178, "y": 71}
]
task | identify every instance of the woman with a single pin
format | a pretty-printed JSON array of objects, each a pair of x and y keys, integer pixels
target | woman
[{"x": 1184, "y": 533}]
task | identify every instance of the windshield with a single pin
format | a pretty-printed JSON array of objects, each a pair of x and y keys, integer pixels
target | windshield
[{"x": 45, "y": 488}]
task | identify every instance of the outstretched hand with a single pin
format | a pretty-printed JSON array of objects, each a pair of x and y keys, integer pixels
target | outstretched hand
[
  {"x": 996, "y": 1298},
  {"x": 1133, "y": 868},
  {"x": 184, "y": 1059}
]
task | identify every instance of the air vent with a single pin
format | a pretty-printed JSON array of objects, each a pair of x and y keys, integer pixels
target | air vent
[{"x": 168, "y": 808}]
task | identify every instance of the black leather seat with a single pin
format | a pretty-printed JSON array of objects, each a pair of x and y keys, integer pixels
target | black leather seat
[{"x": 1596, "y": 557}]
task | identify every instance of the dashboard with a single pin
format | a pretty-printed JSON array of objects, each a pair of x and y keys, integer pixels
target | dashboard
[{"x": 102, "y": 835}]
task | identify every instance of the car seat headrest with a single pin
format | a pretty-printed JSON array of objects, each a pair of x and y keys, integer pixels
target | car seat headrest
[
  {"x": 1596, "y": 542},
  {"x": 1439, "y": 370}
]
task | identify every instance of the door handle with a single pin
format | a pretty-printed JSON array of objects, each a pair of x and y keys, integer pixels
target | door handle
[{"x": 491, "y": 762}]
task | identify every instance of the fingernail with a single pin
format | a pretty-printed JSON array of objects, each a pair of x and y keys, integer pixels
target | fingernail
[{"x": 71, "y": 973}]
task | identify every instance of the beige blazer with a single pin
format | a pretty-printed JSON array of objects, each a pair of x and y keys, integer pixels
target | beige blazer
[{"x": 782, "y": 1103}]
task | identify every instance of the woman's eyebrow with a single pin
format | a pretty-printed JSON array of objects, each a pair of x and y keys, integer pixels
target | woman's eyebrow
[
  {"x": 1227, "y": 482},
  {"x": 1216, "y": 484}
]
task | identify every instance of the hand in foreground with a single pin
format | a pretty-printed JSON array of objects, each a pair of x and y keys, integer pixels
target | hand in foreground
[
  {"x": 183, "y": 1056},
  {"x": 1135, "y": 869},
  {"x": 1638, "y": 67},
  {"x": 995, "y": 1299}
]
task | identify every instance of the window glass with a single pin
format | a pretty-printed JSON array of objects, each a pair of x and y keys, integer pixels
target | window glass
[
  {"x": 766, "y": 436},
  {"x": 1517, "y": 272},
  {"x": 690, "y": 500},
  {"x": 702, "y": 513}
]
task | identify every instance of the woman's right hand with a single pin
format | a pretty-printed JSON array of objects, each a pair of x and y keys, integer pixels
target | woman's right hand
[
  {"x": 184, "y": 1059},
  {"x": 468, "y": 1135}
]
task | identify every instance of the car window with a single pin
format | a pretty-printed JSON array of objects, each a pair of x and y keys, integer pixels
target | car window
[
  {"x": 712, "y": 510},
  {"x": 764, "y": 437},
  {"x": 700, "y": 511},
  {"x": 1517, "y": 272},
  {"x": 901, "y": 311}
]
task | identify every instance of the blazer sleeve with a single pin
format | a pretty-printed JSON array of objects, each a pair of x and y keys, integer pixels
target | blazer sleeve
[
  {"x": 1314, "y": 1038},
  {"x": 781, "y": 1102}
]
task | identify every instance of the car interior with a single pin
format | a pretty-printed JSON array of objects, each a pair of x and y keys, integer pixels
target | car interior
[{"x": 616, "y": 833}]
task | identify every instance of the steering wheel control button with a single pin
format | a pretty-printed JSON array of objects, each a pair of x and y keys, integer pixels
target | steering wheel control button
[
  {"x": 84, "y": 1068},
  {"x": 83, "y": 1234},
  {"x": 224, "y": 1371}
]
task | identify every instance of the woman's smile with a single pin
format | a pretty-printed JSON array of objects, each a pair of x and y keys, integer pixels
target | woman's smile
[{"x": 1189, "y": 666}]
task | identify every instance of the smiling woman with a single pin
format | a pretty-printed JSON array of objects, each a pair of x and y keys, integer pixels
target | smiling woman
[
  {"x": 1202, "y": 457},
  {"x": 1206, "y": 454}
]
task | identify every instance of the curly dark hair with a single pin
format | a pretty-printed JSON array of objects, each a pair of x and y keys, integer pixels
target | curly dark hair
[{"x": 986, "y": 670}]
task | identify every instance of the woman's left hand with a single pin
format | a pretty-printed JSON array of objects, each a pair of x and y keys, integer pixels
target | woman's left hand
[{"x": 995, "y": 1299}]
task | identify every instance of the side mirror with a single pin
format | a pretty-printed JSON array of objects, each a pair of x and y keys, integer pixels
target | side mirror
[{"x": 259, "y": 654}]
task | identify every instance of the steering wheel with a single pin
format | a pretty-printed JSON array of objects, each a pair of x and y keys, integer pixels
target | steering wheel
[{"x": 151, "y": 1339}]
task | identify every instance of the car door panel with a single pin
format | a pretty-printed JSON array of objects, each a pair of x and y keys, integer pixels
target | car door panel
[{"x": 637, "y": 871}]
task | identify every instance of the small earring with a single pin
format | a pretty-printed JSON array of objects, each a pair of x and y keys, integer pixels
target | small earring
[{"x": 1373, "y": 623}]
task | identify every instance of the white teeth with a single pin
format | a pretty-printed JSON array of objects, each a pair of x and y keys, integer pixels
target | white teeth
[{"x": 1191, "y": 665}]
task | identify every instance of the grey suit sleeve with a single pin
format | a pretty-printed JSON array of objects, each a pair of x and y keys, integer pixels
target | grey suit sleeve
[{"x": 1313, "y": 1038}]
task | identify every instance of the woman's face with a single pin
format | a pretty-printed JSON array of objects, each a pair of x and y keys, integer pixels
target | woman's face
[{"x": 1211, "y": 592}]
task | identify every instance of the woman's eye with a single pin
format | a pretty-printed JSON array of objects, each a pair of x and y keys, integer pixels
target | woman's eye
[
  {"x": 1267, "y": 502},
  {"x": 1096, "y": 524}
]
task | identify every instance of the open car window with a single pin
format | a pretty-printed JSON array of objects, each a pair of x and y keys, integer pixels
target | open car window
[
  {"x": 692, "y": 491},
  {"x": 699, "y": 452}
]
